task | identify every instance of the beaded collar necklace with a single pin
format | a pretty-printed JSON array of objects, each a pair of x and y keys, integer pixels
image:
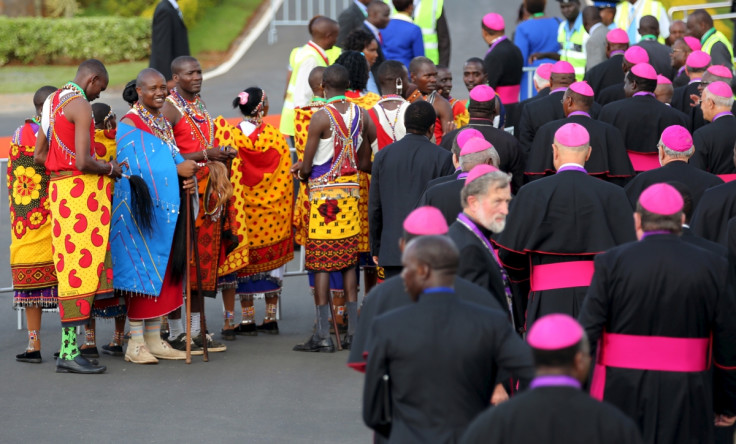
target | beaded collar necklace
[
  {"x": 158, "y": 124},
  {"x": 76, "y": 93},
  {"x": 392, "y": 125},
  {"x": 195, "y": 118},
  {"x": 74, "y": 87}
]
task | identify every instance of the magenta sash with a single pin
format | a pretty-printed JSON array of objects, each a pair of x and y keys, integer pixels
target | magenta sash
[
  {"x": 656, "y": 353},
  {"x": 561, "y": 275},
  {"x": 644, "y": 161},
  {"x": 727, "y": 177},
  {"x": 509, "y": 93}
]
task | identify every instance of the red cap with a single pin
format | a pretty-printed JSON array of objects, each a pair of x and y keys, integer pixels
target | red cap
[
  {"x": 698, "y": 59},
  {"x": 494, "y": 22},
  {"x": 582, "y": 88},
  {"x": 562, "y": 67},
  {"x": 554, "y": 332},
  {"x": 466, "y": 134},
  {"x": 661, "y": 198},
  {"x": 693, "y": 43},
  {"x": 617, "y": 36},
  {"x": 645, "y": 71},
  {"x": 720, "y": 89},
  {"x": 425, "y": 221},
  {"x": 572, "y": 134},
  {"x": 475, "y": 145},
  {"x": 677, "y": 138},
  {"x": 720, "y": 71},
  {"x": 482, "y": 93},
  {"x": 636, "y": 54},
  {"x": 544, "y": 70},
  {"x": 479, "y": 170},
  {"x": 662, "y": 80}
]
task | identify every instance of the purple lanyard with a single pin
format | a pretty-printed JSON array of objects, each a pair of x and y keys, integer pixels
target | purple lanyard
[
  {"x": 572, "y": 168},
  {"x": 724, "y": 113},
  {"x": 470, "y": 224},
  {"x": 680, "y": 71},
  {"x": 643, "y": 93},
  {"x": 498, "y": 40},
  {"x": 439, "y": 290},
  {"x": 554, "y": 380},
  {"x": 652, "y": 233},
  {"x": 462, "y": 176},
  {"x": 578, "y": 113}
]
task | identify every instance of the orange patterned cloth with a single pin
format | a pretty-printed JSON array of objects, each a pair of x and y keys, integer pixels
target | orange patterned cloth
[
  {"x": 460, "y": 113},
  {"x": 300, "y": 219}
]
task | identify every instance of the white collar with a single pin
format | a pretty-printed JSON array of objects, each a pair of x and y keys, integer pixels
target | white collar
[
  {"x": 174, "y": 4},
  {"x": 570, "y": 164},
  {"x": 403, "y": 17},
  {"x": 372, "y": 27}
]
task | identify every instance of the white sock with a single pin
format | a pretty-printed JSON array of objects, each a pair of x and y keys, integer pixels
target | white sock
[
  {"x": 195, "y": 325},
  {"x": 175, "y": 328}
]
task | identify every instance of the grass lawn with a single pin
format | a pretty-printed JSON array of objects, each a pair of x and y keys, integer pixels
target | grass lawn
[{"x": 209, "y": 39}]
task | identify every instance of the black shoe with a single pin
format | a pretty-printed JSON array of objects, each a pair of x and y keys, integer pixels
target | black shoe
[
  {"x": 93, "y": 361},
  {"x": 89, "y": 352},
  {"x": 113, "y": 350},
  {"x": 33, "y": 357},
  {"x": 80, "y": 364},
  {"x": 271, "y": 328},
  {"x": 347, "y": 341},
  {"x": 246, "y": 329},
  {"x": 228, "y": 334},
  {"x": 315, "y": 344}
]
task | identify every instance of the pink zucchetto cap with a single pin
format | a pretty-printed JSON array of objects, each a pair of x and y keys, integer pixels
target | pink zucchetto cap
[
  {"x": 698, "y": 59},
  {"x": 466, "y": 134},
  {"x": 720, "y": 71},
  {"x": 720, "y": 89},
  {"x": 475, "y": 145},
  {"x": 662, "y": 80},
  {"x": 494, "y": 22},
  {"x": 544, "y": 70},
  {"x": 636, "y": 54},
  {"x": 562, "y": 67},
  {"x": 582, "y": 88},
  {"x": 572, "y": 134},
  {"x": 661, "y": 198},
  {"x": 617, "y": 36},
  {"x": 478, "y": 171},
  {"x": 645, "y": 71},
  {"x": 554, "y": 332},
  {"x": 425, "y": 221},
  {"x": 482, "y": 93},
  {"x": 693, "y": 43},
  {"x": 677, "y": 138}
]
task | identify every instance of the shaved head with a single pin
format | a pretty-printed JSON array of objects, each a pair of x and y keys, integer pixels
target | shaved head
[
  {"x": 180, "y": 63},
  {"x": 438, "y": 252},
  {"x": 649, "y": 25},
  {"x": 322, "y": 27},
  {"x": 92, "y": 67},
  {"x": 147, "y": 75},
  {"x": 417, "y": 63},
  {"x": 336, "y": 76},
  {"x": 40, "y": 96},
  {"x": 315, "y": 77}
]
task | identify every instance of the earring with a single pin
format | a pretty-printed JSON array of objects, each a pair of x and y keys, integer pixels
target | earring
[{"x": 399, "y": 85}]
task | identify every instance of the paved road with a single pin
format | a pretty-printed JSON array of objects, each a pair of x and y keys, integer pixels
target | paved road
[{"x": 259, "y": 390}]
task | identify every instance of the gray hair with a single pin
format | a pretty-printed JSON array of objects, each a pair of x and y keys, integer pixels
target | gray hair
[
  {"x": 539, "y": 81},
  {"x": 723, "y": 102},
  {"x": 676, "y": 154},
  {"x": 577, "y": 149},
  {"x": 482, "y": 184},
  {"x": 468, "y": 161}
]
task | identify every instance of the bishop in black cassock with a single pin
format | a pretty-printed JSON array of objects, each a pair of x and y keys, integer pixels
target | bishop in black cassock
[
  {"x": 614, "y": 92},
  {"x": 715, "y": 142},
  {"x": 609, "y": 72}
]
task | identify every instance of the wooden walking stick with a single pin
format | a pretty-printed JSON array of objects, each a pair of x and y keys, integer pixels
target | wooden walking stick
[
  {"x": 334, "y": 321},
  {"x": 200, "y": 297},
  {"x": 188, "y": 278}
]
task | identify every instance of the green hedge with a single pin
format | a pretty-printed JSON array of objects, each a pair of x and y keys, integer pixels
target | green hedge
[{"x": 66, "y": 40}]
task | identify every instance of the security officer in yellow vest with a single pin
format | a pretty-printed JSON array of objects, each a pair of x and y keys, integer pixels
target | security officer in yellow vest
[
  {"x": 630, "y": 12},
  {"x": 572, "y": 37},
  {"x": 429, "y": 15},
  {"x": 700, "y": 26}
]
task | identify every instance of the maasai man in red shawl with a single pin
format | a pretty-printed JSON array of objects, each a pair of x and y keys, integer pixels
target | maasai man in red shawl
[
  {"x": 80, "y": 191},
  {"x": 194, "y": 131}
]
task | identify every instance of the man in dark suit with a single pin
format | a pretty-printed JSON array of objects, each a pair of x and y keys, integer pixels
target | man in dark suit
[
  {"x": 378, "y": 17},
  {"x": 675, "y": 147},
  {"x": 351, "y": 18},
  {"x": 541, "y": 84},
  {"x": 432, "y": 365},
  {"x": 400, "y": 173},
  {"x": 659, "y": 54},
  {"x": 687, "y": 233},
  {"x": 715, "y": 141},
  {"x": 632, "y": 56},
  {"x": 695, "y": 67},
  {"x": 169, "y": 38},
  {"x": 609, "y": 72}
]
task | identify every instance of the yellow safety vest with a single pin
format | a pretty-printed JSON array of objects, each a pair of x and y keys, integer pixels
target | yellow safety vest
[
  {"x": 573, "y": 50},
  {"x": 715, "y": 38},
  {"x": 296, "y": 59},
  {"x": 648, "y": 7},
  {"x": 426, "y": 15}
]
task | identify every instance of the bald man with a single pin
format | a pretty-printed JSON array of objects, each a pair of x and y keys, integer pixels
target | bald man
[{"x": 441, "y": 373}]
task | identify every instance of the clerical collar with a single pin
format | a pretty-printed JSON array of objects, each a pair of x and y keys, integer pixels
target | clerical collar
[
  {"x": 554, "y": 381},
  {"x": 462, "y": 176},
  {"x": 649, "y": 37},
  {"x": 724, "y": 113},
  {"x": 695, "y": 80},
  {"x": 643, "y": 93},
  {"x": 475, "y": 226},
  {"x": 578, "y": 113},
  {"x": 653, "y": 233},
  {"x": 439, "y": 290},
  {"x": 707, "y": 35},
  {"x": 686, "y": 226},
  {"x": 571, "y": 167},
  {"x": 616, "y": 52},
  {"x": 563, "y": 89}
]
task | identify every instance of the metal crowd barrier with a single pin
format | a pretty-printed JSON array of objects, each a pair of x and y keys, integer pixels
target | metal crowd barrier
[{"x": 300, "y": 12}]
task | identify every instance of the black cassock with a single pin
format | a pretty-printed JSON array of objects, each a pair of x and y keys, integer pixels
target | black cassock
[
  {"x": 442, "y": 356},
  {"x": 504, "y": 64},
  {"x": 513, "y": 113},
  {"x": 681, "y": 79},
  {"x": 608, "y": 159},
  {"x": 399, "y": 176},
  {"x": 654, "y": 305},
  {"x": 552, "y": 415},
  {"x": 509, "y": 151},
  {"x": 690, "y": 237},
  {"x": 391, "y": 294},
  {"x": 676, "y": 171},
  {"x": 716, "y": 207},
  {"x": 681, "y": 102},
  {"x": 554, "y": 224},
  {"x": 445, "y": 197},
  {"x": 714, "y": 145},
  {"x": 659, "y": 57},
  {"x": 611, "y": 94},
  {"x": 605, "y": 74},
  {"x": 443, "y": 179}
]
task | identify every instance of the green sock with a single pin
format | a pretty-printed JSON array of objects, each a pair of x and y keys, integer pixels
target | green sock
[{"x": 69, "y": 349}]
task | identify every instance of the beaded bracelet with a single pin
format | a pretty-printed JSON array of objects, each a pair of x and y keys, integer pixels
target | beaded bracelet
[
  {"x": 111, "y": 168},
  {"x": 204, "y": 152}
]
